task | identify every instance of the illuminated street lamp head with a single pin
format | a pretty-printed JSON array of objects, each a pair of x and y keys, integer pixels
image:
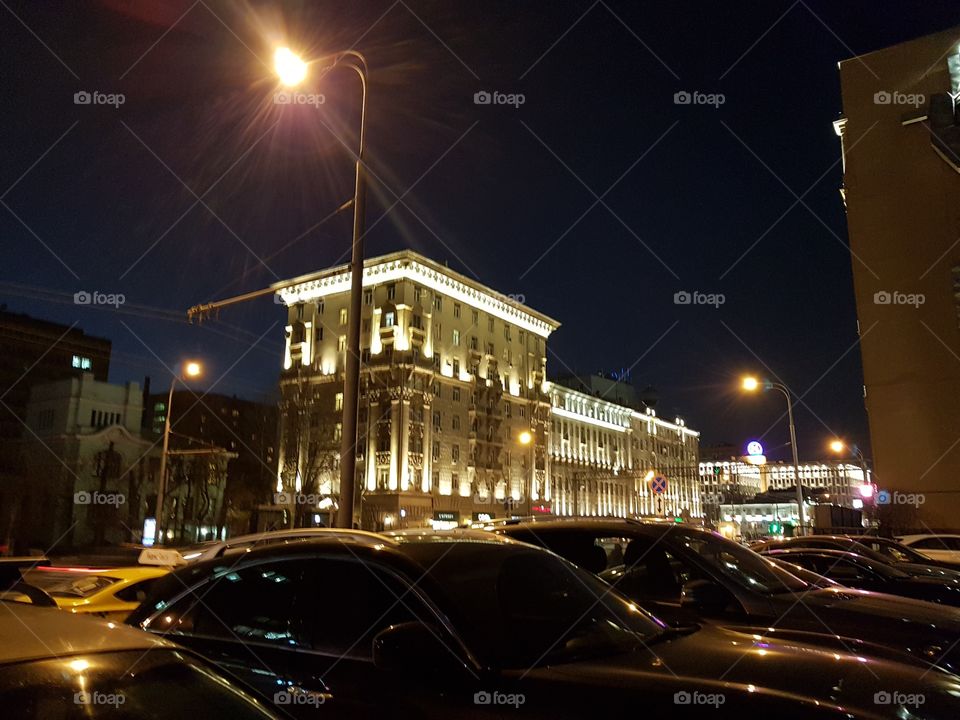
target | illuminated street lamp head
[
  {"x": 750, "y": 383},
  {"x": 192, "y": 369},
  {"x": 290, "y": 68},
  {"x": 649, "y": 476},
  {"x": 837, "y": 446},
  {"x": 525, "y": 438}
]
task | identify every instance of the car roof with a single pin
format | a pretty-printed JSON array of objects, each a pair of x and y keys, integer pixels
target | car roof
[
  {"x": 209, "y": 550},
  {"x": 925, "y": 536},
  {"x": 28, "y": 632},
  {"x": 413, "y": 535},
  {"x": 605, "y": 524}
]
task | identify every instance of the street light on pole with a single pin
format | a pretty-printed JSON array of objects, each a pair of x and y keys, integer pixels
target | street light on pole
[
  {"x": 752, "y": 384},
  {"x": 838, "y": 446},
  {"x": 293, "y": 70},
  {"x": 190, "y": 369}
]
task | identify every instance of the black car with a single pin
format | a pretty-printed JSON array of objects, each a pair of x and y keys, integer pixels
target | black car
[
  {"x": 442, "y": 625},
  {"x": 865, "y": 573},
  {"x": 684, "y": 574},
  {"x": 876, "y": 548}
]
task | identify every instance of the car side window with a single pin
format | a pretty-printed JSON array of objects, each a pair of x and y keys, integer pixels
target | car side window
[
  {"x": 246, "y": 604},
  {"x": 651, "y": 572},
  {"x": 347, "y": 602},
  {"x": 929, "y": 544},
  {"x": 136, "y": 592},
  {"x": 843, "y": 570}
]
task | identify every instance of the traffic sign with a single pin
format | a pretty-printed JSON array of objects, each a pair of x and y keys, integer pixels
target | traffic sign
[{"x": 659, "y": 484}]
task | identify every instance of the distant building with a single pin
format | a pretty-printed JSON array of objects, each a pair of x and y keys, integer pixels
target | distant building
[
  {"x": 38, "y": 351},
  {"x": 612, "y": 389},
  {"x": 243, "y": 427},
  {"x": 85, "y": 476},
  {"x": 457, "y": 420},
  {"x": 900, "y": 142}
]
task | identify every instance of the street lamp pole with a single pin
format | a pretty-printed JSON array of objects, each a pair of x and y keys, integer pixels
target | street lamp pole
[
  {"x": 191, "y": 369},
  {"x": 750, "y": 384},
  {"x": 292, "y": 71}
]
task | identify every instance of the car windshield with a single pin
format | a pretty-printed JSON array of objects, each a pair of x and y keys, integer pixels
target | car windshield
[
  {"x": 741, "y": 565},
  {"x": 66, "y": 584},
  {"x": 892, "y": 550},
  {"x": 518, "y": 607}
]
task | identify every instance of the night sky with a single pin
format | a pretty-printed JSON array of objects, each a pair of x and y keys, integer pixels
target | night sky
[{"x": 597, "y": 199}]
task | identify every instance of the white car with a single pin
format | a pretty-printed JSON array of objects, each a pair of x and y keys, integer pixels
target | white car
[{"x": 945, "y": 548}]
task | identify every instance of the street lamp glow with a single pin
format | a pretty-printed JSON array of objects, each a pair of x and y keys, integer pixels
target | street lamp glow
[
  {"x": 750, "y": 383},
  {"x": 649, "y": 476},
  {"x": 525, "y": 438},
  {"x": 290, "y": 68},
  {"x": 837, "y": 446},
  {"x": 192, "y": 369}
]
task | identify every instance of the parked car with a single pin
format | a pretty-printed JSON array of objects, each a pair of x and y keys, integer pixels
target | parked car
[
  {"x": 943, "y": 548},
  {"x": 242, "y": 543},
  {"x": 686, "y": 574},
  {"x": 58, "y": 666},
  {"x": 467, "y": 624},
  {"x": 865, "y": 573},
  {"x": 881, "y": 549}
]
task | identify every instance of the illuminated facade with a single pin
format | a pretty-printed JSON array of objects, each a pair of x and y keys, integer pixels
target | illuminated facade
[
  {"x": 456, "y": 418},
  {"x": 603, "y": 457}
]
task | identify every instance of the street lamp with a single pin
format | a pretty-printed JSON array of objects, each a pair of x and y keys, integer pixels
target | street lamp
[
  {"x": 752, "y": 384},
  {"x": 191, "y": 369},
  {"x": 525, "y": 438},
  {"x": 839, "y": 446},
  {"x": 292, "y": 70}
]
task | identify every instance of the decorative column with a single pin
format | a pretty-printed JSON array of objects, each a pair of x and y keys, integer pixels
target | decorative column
[{"x": 395, "y": 431}]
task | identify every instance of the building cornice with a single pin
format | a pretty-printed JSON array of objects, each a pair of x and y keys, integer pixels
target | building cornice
[{"x": 409, "y": 265}]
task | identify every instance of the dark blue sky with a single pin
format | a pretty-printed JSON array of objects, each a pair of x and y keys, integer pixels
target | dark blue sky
[{"x": 705, "y": 197}]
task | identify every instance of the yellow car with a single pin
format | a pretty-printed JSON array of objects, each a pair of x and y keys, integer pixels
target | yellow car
[{"x": 110, "y": 593}]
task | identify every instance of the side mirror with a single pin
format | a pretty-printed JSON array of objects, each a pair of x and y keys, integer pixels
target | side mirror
[
  {"x": 411, "y": 647},
  {"x": 704, "y": 596}
]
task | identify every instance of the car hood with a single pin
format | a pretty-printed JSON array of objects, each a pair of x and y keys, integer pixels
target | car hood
[
  {"x": 716, "y": 658},
  {"x": 881, "y": 605}
]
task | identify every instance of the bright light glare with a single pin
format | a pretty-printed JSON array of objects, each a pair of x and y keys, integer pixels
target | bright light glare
[
  {"x": 525, "y": 438},
  {"x": 866, "y": 490},
  {"x": 750, "y": 383},
  {"x": 192, "y": 369},
  {"x": 289, "y": 67},
  {"x": 649, "y": 476},
  {"x": 837, "y": 446},
  {"x": 78, "y": 665}
]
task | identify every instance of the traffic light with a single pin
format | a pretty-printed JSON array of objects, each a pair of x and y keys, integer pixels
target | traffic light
[
  {"x": 775, "y": 528},
  {"x": 717, "y": 469}
]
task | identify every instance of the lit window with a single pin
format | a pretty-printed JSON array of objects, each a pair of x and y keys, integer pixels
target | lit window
[
  {"x": 342, "y": 343},
  {"x": 456, "y": 337},
  {"x": 388, "y": 319},
  {"x": 343, "y": 316},
  {"x": 81, "y": 363},
  {"x": 338, "y": 401}
]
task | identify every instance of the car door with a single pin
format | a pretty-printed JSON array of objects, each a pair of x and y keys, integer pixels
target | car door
[
  {"x": 347, "y": 602},
  {"x": 243, "y": 620}
]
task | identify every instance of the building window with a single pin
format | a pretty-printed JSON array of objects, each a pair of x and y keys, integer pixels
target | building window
[
  {"x": 456, "y": 338},
  {"x": 383, "y": 478},
  {"x": 436, "y": 450},
  {"x": 342, "y": 343},
  {"x": 489, "y": 348},
  {"x": 455, "y": 453},
  {"x": 338, "y": 432},
  {"x": 436, "y": 362},
  {"x": 338, "y": 401},
  {"x": 506, "y": 332},
  {"x": 473, "y": 342},
  {"x": 343, "y": 316},
  {"x": 417, "y": 293},
  {"x": 490, "y": 324},
  {"x": 391, "y": 291},
  {"x": 438, "y": 303},
  {"x": 388, "y": 319},
  {"x": 81, "y": 363},
  {"x": 521, "y": 336},
  {"x": 417, "y": 322},
  {"x": 319, "y": 333},
  {"x": 436, "y": 420},
  {"x": 368, "y": 297},
  {"x": 475, "y": 318},
  {"x": 508, "y": 409},
  {"x": 456, "y": 310},
  {"x": 456, "y": 422},
  {"x": 522, "y": 411},
  {"x": 456, "y": 394},
  {"x": 456, "y": 368}
]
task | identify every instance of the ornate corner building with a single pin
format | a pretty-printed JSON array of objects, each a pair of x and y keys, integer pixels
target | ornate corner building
[{"x": 457, "y": 419}]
